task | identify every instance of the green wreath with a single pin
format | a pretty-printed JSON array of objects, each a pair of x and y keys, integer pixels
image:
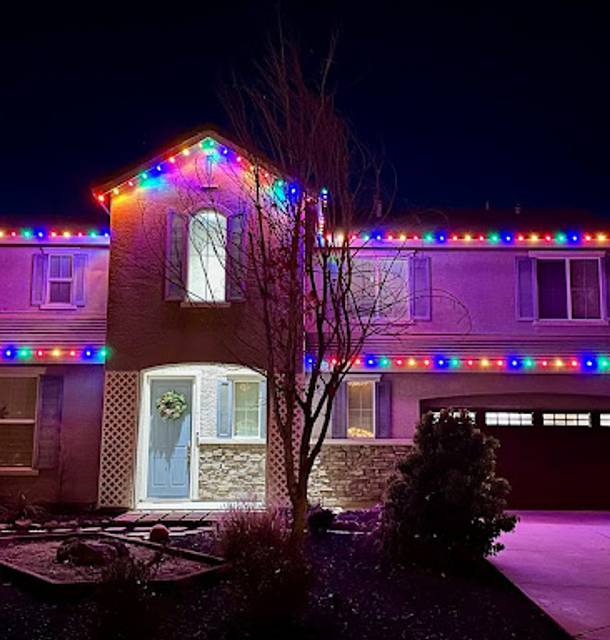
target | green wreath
[{"x": 171, "y": 405}]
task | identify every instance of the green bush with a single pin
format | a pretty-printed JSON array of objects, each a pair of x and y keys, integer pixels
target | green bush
[
  {"x": 446, "y": 505},
  {"x": 269, "y": 578}
]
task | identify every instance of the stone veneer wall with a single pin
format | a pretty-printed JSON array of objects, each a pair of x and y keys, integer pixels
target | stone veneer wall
[
  {"x": 353, "y": 475},
  {"x": 232, "y": 472}
]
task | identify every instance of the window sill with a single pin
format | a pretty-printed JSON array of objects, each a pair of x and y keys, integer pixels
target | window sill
[
  {"x": 369, "y": 441},
  {"x": 571, "y": 323},
  {"x": 188, "y": 304},
  {"x": 233, "y": 441},
  {"x": 18, "y": 472},
  {"x": 57, "y": 306}
]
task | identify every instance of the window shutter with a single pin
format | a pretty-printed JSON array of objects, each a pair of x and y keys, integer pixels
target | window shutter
[
  {"x": 420, "y": 288},
  {"x": 80, "y": 262},
  {"x": 339, "y": 417},
  {"x": 39, "y": 278},
  {"x": 175, "y": 256},
  {"x": 49, "y": 421},
  {"x": 223, "y": 409},
  {"x": 262, "y": 407},
  {"x": 383, "y": 409},
  {"x": 236, "y": 258},
  {"x": 525, "y": 289}
]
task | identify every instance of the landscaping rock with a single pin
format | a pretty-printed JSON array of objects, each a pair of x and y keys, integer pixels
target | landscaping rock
[
  {"x": 89, "y": 553},
  {"x": 23, "y": 524},
  {"x": 159, "y": 533}
]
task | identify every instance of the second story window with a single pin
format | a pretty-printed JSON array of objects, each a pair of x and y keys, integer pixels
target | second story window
[
  {"x": 58, "y": 279},
  {"x": 569, "y": 289},
  {"x": 207, "y": 257}
]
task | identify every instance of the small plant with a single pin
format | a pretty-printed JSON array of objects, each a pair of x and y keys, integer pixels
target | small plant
[
  {"x": 446, "y": 506},
  {"x": 319, "y": 519},
  {"x": 126, "y": 597},
  {"x": 269, "y": 576}
]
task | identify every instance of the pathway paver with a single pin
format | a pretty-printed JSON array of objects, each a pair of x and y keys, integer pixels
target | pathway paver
[{"x": 561, "y": 561}]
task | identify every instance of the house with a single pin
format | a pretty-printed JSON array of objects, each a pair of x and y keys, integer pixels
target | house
[
  {"x": 507, "y": 317},
  {"x": 52, "y": 340}
]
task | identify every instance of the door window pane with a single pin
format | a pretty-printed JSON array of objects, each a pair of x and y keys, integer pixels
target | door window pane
[
  {"x": 509, "y": 419},
  {"x": 566, "y": 419},
  {"x": 552, "y": 299},
  {"x": 360, "y": 408},
  {"x": 246, "y": 409},
  {"x": 584, "y": 283}
]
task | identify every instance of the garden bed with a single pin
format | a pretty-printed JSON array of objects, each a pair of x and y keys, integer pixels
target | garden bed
[{"x": 32, "y": 558}]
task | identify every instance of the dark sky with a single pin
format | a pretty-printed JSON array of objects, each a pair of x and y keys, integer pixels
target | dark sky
[{"x": 471, "y": 104}]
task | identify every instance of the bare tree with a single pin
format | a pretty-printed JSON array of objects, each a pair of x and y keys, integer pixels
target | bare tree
[{"x": 316, "y": 293}]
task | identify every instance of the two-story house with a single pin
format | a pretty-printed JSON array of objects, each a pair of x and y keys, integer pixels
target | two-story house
[
  {"x": 507, "y": 317},
  {"x": 52, "y": 353}
]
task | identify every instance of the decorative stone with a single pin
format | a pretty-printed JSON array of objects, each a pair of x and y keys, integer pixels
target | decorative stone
[
  {"x": 159, "y": 533},
  {"x": 90, "y": 553},
  {"x": 23, "y": 524}
]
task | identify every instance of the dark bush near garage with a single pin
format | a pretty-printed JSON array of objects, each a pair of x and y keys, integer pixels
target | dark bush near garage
[{"x": 446, "y": 507}]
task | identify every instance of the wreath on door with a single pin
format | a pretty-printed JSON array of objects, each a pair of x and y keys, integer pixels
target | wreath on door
[{"x": 171, "y": 405}]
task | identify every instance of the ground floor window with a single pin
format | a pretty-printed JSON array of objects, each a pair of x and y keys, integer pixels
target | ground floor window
[
  {"x": 246, "y": 409},
  {"x": 18, "y": 398},
  {"x": 361, "y": 409}
]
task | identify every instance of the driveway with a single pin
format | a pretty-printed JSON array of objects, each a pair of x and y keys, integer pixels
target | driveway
[{"x": 561, "y": 561}]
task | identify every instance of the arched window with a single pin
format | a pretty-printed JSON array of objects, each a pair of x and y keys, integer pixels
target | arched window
[{"x": 207, "y": 257}]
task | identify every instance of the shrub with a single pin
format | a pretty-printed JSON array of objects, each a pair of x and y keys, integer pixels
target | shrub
[
  {"x": 319, "y": 519},
  {"x": 269, "y": 577},
  {"x": 446, "y": 505}
]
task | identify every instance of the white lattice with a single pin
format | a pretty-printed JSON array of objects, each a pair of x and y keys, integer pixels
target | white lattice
[
  {"x": 118, "y": 447},
  {"x": 277, "y": 492}
]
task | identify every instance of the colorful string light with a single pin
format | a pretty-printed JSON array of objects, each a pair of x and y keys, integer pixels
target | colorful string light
[
  {"x": 24, "y": 354},
  {"x": 467, "y": 239},
  {"x": 36, "y": 233},
  {"x": 508, "y": 363}
]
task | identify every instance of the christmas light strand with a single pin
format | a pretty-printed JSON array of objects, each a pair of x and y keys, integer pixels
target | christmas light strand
[
  {"x": 25, "y": 354},
  {"x": 41, "y": 234},
  {"x": 509, "y": 363}
]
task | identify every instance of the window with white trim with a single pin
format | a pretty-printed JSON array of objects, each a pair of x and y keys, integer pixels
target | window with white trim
[
  {"x": 569, "y": 288},
  {"x": 246, "y": 409},
  {"x": 509, "y": 418},
  {"x": 566, "y": 419},
  {"x": 361, "y": 409},
  {"x": 207, "y": 257},
  {"x": 379, "y": 288},
  {"x": 60, "y": 279},
  {"x": 18, "y": 398}
]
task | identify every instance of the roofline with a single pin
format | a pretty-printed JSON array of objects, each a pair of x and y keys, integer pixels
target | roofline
[{"x": 209, "y": 131}]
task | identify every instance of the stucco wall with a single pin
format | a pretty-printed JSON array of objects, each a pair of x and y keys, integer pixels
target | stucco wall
[{"x": 75, "y": 479}]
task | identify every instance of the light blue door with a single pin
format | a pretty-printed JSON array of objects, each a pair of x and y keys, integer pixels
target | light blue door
[{"x": 169, "y": 443}]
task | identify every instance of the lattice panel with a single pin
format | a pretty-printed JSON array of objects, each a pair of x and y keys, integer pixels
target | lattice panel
[
  {"x": 277, "y": 493},
  {"x": 118, "y": 449}
]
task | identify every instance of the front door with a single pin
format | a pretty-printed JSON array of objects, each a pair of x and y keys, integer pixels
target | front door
[{"x": 170, "y": 438}]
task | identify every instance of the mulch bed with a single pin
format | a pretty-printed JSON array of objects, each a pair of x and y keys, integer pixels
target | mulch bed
[{"x": 355, "y": 597}]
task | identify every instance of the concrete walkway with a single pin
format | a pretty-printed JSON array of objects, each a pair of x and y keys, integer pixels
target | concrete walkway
[{"x": 561, "y": 561}]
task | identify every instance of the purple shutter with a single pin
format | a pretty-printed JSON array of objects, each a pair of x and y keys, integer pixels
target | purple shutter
[
  {"x": 525, "y": 289},
  {"x": 175, "y": 256},
  {"x": 224, "y": 426},
  {"x": 236, "y": 257},
  {"x": 339, "y": 417},
  {"x": 39, "y": 278},
  {"x": 421, "y": 295},
  {"x": 607, "y": 284},
  {"x": 49, "y": 421},
  {"x": 383, "y": 409},
  {"x": 80, "y": 262}
]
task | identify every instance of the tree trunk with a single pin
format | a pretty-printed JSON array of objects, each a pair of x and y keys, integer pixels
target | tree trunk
[{"x": 299, "y": 516}]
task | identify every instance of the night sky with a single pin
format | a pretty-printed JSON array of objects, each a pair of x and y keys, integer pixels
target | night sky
[{"x": 470, "y": 105}]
